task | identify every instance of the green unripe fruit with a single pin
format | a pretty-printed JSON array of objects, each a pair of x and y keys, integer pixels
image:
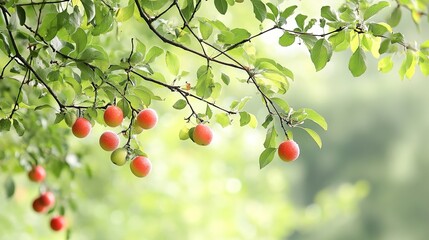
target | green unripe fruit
[
  {"x": 184, "y": 133},
  {"x": 119, "y": 156},
  {"x": 191, "y": 133},
  {"x": 239, "y": 1}
]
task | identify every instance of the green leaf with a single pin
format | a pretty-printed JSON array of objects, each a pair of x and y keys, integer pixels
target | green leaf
[
  {"x": 357, "y": 64},
  {"x": 337, "y": 40},
  {"x": 125, "y": 13},
  {"x": 244, "y": 118},
  {"x": 270, "y": 138},
  {"x": 286, "y": 39},
  {"x": 188, "y": 9},
  {"x": 259, "y": 10},
  {"x": 374, "y": 9},
  {"x": 205, "y": 84},
  {"x": 240, "y": 105},
  {"x": 395, "y": 17},
  {"x": 384, "y": 46},
  {"x": 378, "y": 29},
  {"x": 93, "y": 53},
  {"x": 281, "y": 103},
  {"x": 327, "y": 13},
  {"x": 314, "y": 136},
  {"x": 223, "y": 119},
  {"x": 397, "y": 38},
  {"x": 320, "y": 54},
  {"x": 180, "y": 104},
  {"x": 316, "y": 117},
  {"x": 266, "y": 157},
  {"x": 221, "y": 6},
  {"x": 408, "y": 66},
  {"x": 19, "y": 128},
  {"x": 385, "y": 64},
  {"x": 9, "y": 186},
  {"x": 300, "y": 20},
  {"x": 5, "y": 124},
  {"x": 89, "y": 7},
  {"x": 288, "y": 12},
  {"x": 206, "y": 29},
  {"x": 273, "y": 9},
  {"x": 233, "y": 36},
  {"x": 79, "y": 37},
  {"x": 153, "y": 53},
  {"x": 424, "y": 66},
  {"x": 136, "y": 58},
  {"x": 21, "y": 15},
  {"x": 268, "y": 119},
  {"x": 209, "y": 112},
  {"x": 4, "y": 44},
  {"x": 225, "y": 79},
  {"x": 424, "y": 45},
  {"x": 253, "y": 121},
  {"x": 173, "y": 63},
  {"x": 103, "y": 20}
]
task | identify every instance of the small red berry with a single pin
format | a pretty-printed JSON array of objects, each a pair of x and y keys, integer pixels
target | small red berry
[
  {"x": 202, "y": 135},
  {"x": 47, "y": 199},
  {"x": 37, "y": 174},
  {"x": 58, "y": 223},
  {"x": 140, "y": 166},
  {"x": 147, "y": 118},
  {"x": 109, "y": 141},
  {"x": 113, "y": 116},
  {"x": 38, "y": 205},
  {"x": 288, "y": 150},
  {"x": 81, "y": 127}
]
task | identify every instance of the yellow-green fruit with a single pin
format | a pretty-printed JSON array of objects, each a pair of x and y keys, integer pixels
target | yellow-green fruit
[
  {"x": 119, "y": 156},
  {"x": 183, "y": 134}
]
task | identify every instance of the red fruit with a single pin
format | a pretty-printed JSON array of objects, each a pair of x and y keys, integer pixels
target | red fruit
[
  {"x": 147, "y": 118},
  {"x": 109, "y": 141},
  {"x": 113, "y": 116},
  {"x": 38, "y": 205},
  {"x": 288, "y": 150},
  {"x": 37, "y": 174},
  {"x": 47, "y": 199},
  {"x": 140, "y": 166},
  {"x": 202, "y": 135},
  {"x": 81, "y": 128},
  {"x": 58, "y": 223}
]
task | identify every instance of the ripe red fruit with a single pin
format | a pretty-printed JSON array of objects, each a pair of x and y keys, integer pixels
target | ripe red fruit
[
  {"x": 140, "y": 166},
  {"x": 202, "y": 135},
  {"x": 113, "y": 116},
  {"x": 147, "y": 118},
  {"x": 37, "y": 174},
  {"x": 58, "y": 223},
  {"x": 81, "y": 127},
  {"x": 47, "y": 199},
  {"x": 38, "y": 205},
  {"x": 288, "y": 150},
  {"x": 109, "y": 141}
]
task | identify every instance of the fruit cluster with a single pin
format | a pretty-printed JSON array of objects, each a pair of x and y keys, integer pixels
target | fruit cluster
[
  {"x": 46, "y": 200},
  {"x": 109, "y": 141},
  {"x": 113, "y": 116}
]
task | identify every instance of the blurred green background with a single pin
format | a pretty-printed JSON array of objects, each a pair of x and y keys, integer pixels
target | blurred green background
[{"x": 367, "y": 182}]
